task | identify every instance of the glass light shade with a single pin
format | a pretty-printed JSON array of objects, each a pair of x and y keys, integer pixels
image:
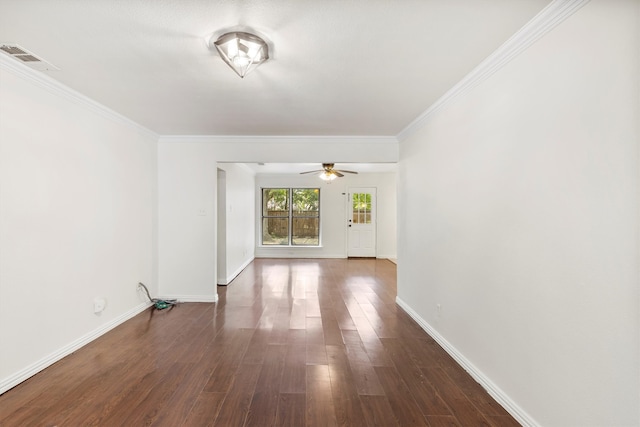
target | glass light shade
[
  {"x": 328, "y": 176},
  {"x": 243, "y": 52}
]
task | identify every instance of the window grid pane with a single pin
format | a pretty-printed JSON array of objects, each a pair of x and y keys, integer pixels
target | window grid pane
[
  {"x": 305, "y": 224},
  {"x": 275, "y": 202},
  {"x": 305, "y": 231},
  {"x": 306, "y": 202},
  {"x": 275, "y": 231},
  {"x": 275, "y": 216},
  {"x": 361, "y": 208}
]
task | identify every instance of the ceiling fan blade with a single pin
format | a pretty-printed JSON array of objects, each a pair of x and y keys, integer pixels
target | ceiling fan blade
[{"x": 327, "y": 170}]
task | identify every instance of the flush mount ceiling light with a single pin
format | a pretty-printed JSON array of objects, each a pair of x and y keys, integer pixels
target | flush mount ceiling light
[{"x": 242, "y": 51}]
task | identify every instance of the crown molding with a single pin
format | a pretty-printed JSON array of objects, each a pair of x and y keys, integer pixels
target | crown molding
[
  {"x": 550, "y": 17},
  {"x": 285, "y": 139},
  {"x": 56, "y": 88}
]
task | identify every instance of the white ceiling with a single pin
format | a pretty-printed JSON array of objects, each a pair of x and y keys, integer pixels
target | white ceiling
[{"x": 350, "y": 67}]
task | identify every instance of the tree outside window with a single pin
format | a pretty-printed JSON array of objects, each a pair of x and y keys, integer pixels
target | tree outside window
[
  {"x": 291, "y": 216},
  {"x": 306, "y": 217},
  {"x": 361, "y": 208}
]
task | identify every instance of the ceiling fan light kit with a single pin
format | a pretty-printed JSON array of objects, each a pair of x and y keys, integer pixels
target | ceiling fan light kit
[
  {"x": 327, "y": 176},
  {"x": 242, "y": 51}
]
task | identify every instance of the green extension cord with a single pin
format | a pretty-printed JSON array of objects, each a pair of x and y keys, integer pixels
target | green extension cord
[{"x": 159, "y": 304}]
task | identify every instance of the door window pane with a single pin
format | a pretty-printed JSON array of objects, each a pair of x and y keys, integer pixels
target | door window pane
[{"x": 361, "y": 208}]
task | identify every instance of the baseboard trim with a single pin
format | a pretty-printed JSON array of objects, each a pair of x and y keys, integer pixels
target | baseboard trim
[
  {"x": 235, "y": 274},
  {"x": 26, "y": 373},
  {"x": 500, "y": 396},
  {"x": 192, "y": 298},
  {"x": 299, "y": 256}
]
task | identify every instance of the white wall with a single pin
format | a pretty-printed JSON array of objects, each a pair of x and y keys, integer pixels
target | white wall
[
  {"x": 221, "y": 228},
  {"x": 240, "y": 219},
  {"x": 333, "y": 212},
  {"x": 518, "y": 213},
  {"x": 77, "y": 220},
  {"x": 187, "y": 184}
]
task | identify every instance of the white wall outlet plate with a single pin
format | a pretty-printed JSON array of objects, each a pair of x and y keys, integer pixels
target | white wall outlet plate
[{"x": 99, "y": 304}]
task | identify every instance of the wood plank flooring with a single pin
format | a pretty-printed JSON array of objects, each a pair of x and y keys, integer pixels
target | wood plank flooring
[{"x": 290, "y": 343}]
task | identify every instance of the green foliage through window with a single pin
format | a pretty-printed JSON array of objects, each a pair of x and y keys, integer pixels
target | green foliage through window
[
  {"x": 361, "y": 208},
  {"x": 291, "y": 216}
]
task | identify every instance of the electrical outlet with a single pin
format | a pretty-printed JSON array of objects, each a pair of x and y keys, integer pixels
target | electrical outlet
[{"x": 99, "y": 304}]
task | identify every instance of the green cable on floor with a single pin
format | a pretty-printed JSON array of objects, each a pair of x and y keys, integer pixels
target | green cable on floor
[{"x": 159, "y": 304}]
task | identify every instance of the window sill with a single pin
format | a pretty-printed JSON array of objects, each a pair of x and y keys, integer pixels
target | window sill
[{"x": 288, "y": 247}]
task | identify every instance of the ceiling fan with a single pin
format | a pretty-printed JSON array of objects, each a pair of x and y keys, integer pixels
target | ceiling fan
[{"x": 328, "y": 173}]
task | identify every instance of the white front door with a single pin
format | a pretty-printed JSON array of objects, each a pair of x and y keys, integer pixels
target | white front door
[{"x": 361, "y": 222}]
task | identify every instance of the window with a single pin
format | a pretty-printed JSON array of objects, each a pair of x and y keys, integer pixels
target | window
[
  {"x": 361, "y": 208},
  {"x": 291, "y": 216}
]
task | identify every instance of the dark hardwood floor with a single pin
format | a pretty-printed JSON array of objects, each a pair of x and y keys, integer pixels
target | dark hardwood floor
[{"x": 290, "y": 343}]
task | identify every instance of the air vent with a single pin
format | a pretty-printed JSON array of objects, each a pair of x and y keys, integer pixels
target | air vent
[
  {"x": 26, "y": 57},
  {"x": 13, "y": 50}
]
